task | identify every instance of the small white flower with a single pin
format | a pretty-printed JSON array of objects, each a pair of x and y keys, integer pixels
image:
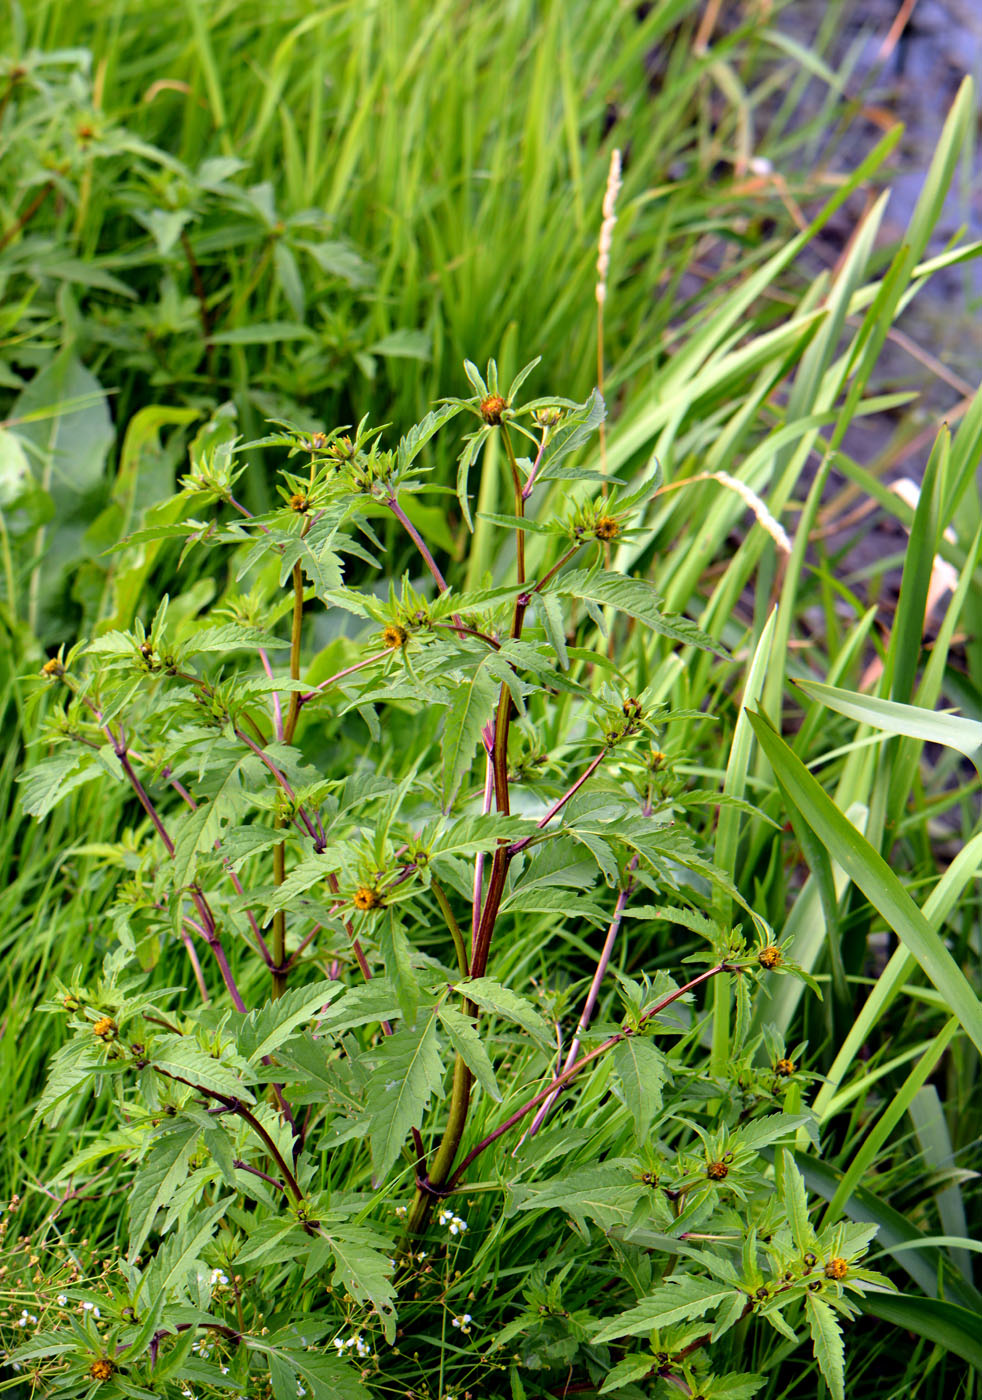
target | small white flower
[
  {"x": 402, "y": 1210},
  {"x": 92, "y": 1308},
  {"x": 219, "y": 1277},
  {"x": 463, "y": 1322},
  {"x": 300, "y": 1389},
  {"x": 454, "y": 1223},
  {"x": 61, "y": 1300}
]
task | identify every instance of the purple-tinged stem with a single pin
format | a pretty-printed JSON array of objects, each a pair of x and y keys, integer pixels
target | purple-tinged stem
[
  {"x": 348, "y": 671},
  {"x": 247, "y": 513},
  {"x": 419, "y": 542},
  {"x": 140, "y": 791},
  {"x": 245, "y": 1167},
  {"x": 236, "y": 882},
  {"x": 589, "y": 1006},
  {"x": 530, "y": 479},
  {"x": 209, "y": 933},
  {"x": 558, "y": 805},
  {"x": 479, "y": 858},
  {"x": 281, "y": 779},
  {"x": 563, "y": 1078},
  {"x": 277, "y": 708},
  {"x": 469, "y": 632},
  {"x": 195, "y": 966}
]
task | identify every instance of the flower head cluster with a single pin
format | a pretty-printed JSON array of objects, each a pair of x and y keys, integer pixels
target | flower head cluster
[
  {"x": 463, "y": 1322},
  {"x": 453, "y": 1222},
  {"x": 361, "y": 1347}
]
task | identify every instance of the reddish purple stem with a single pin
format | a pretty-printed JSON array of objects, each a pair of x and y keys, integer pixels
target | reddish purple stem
[
  {"x": 419, "y": 542},
  {"x": 560, "y": 803},
  {"x": 562, "y": 1079}
]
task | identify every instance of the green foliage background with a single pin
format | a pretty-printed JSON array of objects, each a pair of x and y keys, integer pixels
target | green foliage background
[{"x": 216, "y": 214}]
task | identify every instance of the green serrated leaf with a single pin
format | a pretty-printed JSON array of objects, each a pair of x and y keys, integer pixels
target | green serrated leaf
[
  {"x": 264, "y": 1030},
  {"x": 490, "y": 995},
  {"x": 680, "y": 1299},
  {"x": 469, "y": 711},
  {"x": 642, "y": 1071},
  {"x": 638, "y": 599},
  {"x": 469, "y": 1046},
  {"x": 827, "y": 1344},
  {"x": 407, "y": 1069}
]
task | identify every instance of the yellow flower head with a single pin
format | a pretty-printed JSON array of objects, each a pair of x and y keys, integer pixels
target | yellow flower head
[
  {"x": 102, "y": 1369},
  {"x": 492, "y": 408},
  {"x": 105, "y": 1028},
  {"x": 366, "y": 898},
  {"x": 769, "y": 957}
]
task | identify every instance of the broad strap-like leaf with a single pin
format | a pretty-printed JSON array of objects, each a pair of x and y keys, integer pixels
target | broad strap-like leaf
[
  {"x": 867, "y": 868},
  {"x": 954, "y": 731}
]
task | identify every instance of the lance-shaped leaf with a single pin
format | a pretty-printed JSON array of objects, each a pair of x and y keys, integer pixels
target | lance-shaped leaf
[
  {"x": 642, "y": 1071},
  {"x": 638, "y": 599},
  {"x": 262, "y": 1031},
  {"x": 469, "y": 1046},
  {"x": 680, "y": 1299},
  {"x": 407, "y": 1070},
  {"x": 490, "y": 995},
  {"x": 827, "y": 1344},
  {"x": 469, "y": 710}
]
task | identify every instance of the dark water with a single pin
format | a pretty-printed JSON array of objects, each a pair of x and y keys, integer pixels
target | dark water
[{"x": 915, "y": 83}]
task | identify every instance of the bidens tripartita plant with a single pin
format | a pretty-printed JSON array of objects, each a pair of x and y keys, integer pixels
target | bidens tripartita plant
[{"x": 348, "y": 1116}]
